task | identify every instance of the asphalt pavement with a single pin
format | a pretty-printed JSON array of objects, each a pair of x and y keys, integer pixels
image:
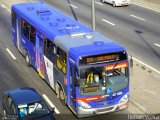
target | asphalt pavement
[{"x": 150, "y": 4}]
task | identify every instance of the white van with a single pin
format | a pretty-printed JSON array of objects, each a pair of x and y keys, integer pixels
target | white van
[{"x": 117, "y": 2}]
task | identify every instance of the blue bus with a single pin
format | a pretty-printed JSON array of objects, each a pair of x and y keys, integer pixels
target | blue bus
[{"x": 88, "y": 72}]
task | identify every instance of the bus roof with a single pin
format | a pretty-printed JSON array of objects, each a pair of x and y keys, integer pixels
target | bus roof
[
  {"x": 67, "y": 33},
  {"x": 48, "y": 20},
  {"x": 88, "y": 44}
]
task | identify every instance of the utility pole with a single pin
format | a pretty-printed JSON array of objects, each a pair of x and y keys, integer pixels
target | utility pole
[{"x": 93, "y": 15}]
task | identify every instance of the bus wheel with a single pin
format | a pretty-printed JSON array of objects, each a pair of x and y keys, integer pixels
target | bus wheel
[
  {"x": 28, "y": 60},
  {"x": 61, "y": 96},
  {"x": 57, "y": 90}
]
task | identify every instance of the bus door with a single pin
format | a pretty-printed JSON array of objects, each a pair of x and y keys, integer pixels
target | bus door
[
  {"x": 39, "y": 54},
  {"x": 72, "y": 87},
  {"x": 18, "y": 34}
]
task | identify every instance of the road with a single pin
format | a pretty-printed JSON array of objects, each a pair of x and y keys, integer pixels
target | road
[
  {"x": 123, "y": 25},
  {"x": 134, "y": 27},
  {"x": 14, "y": 73}
]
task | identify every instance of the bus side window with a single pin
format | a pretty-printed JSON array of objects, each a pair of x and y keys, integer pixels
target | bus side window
[
  {"x": 61, "y": 60},
  {"x": 62, "y": 55},
  {"x": 49, "y": 50},
  {"x": 13, "y": 19},
  {"x": 32, "y": 35},
  {"x": 29, "y": 31},
  {"x": 25, "y": 29}
]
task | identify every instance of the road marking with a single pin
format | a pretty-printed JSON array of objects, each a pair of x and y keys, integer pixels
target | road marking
[
  {"x": 138, "y": 17},
  {"x": 50, "y": 103},
  {"x": 72, "y": 6},
  {"x": 3, "y": 6},
  {"x": 98, "y": 3},
  {"x": 146, "y": 65},
  {"x": 149, "y": 91},
  {"x": 10, "y": 53},
  {"x": 146, "y": 7},
  {"x": 108, "y": 22},
  {"x": 9, "y": 10},
  {"x": 156, "y": 44},
  {"x": 146, "y": 90},
  {"x": 138, "y": 105}
]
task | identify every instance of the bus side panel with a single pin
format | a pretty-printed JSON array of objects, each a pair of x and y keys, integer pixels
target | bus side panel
[
  {"x": 14, "y": 30},
  {"x": 46, "y": 76},
  {"x": 14, "y": 35},
  {"x": 39, "y": 60},
  {"x": 30, "y": 49},
  {"x": 17, "y": 33},
  {"x": 48, "y": 72},
  {"x": 71, "y": 86},
  {"x": 53, "y": 74},
  {"x": 60, "y": 78}
]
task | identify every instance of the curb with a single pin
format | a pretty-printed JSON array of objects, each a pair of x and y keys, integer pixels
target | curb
[
  {"x": 140, "y": 107},
  {"x": 153, "y": 69},
  {"x": 150, "y": 6}
]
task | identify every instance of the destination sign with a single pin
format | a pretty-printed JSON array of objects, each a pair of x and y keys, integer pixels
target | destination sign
[
  {"x": 116, "y": 66},
  {"x": 103, "y": 58}
]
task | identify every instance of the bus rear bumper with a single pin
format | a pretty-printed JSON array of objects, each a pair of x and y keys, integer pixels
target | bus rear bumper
[{"x": 97, "y": 111}]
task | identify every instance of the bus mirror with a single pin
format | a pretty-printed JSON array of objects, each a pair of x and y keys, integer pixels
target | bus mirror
[
  {"x": 131, "y": 61},
  {"x": 76, "y": 82}
]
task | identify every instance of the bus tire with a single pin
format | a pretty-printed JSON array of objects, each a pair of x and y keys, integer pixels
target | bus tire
[
  {"x": 28, "y": 60},
  {"x": 61, "y": 96},
  {"x": 57, "y": 90}
]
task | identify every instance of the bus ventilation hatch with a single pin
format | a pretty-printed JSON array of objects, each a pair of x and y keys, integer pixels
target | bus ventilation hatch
[
  {"x": 53, "y": 24},
  {"x": 30, "y": 8},
  {"x": 44, "y": 12}
]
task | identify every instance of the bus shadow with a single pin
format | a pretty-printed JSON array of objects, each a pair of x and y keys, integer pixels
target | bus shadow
[{"x": 140, "y": 34}]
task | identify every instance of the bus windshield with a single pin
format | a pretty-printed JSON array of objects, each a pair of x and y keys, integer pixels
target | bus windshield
[{"x": 102, "y": 80}]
